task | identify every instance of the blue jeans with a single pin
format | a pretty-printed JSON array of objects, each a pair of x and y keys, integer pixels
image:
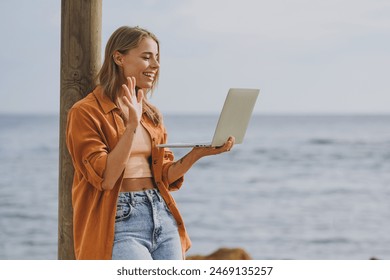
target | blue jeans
[{"x": 145, "y": 228}]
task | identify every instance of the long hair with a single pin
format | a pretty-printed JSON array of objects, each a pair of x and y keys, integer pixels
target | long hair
[{"x": 110, "y": 76}]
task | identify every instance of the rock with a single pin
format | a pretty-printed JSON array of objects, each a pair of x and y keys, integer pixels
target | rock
[{"x": 223, "y": 254}]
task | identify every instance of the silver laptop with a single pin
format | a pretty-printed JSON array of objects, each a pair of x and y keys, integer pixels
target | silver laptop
[{"x": 233, "y": 120}]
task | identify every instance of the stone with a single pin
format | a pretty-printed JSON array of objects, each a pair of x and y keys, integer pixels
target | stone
[{"x": 223, "y": 254}]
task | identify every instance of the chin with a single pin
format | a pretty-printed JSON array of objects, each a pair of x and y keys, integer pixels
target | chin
[{"x": 146, "y": 86}]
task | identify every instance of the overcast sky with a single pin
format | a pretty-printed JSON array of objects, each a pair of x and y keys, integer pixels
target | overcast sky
[{"x": 306, "y": 56}]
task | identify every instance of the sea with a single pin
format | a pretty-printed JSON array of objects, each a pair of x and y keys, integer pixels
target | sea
[{"x": 300, "y": 187}]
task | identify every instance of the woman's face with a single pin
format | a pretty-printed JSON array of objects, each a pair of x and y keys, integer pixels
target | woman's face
[{"x": 142, "y": 63}]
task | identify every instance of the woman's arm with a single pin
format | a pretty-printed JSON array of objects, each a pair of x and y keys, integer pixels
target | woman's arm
[
  {"x": 180, "y": 167},
  {"x": 118, "y": 157}
]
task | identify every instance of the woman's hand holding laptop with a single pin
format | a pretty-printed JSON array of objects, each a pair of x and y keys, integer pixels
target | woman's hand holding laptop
[
  {"x": 180, "y": 167},
  {"x": 209, "y": 151}
]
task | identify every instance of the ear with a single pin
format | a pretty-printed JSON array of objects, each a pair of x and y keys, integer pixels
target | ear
[{"x": 118, "y": 58}]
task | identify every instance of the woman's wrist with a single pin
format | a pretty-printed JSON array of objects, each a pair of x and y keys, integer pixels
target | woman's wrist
[
  {"x": 132, "y": 127},
  {"x": 197, "y": 153},
  {"x": 201, "y": 152}
]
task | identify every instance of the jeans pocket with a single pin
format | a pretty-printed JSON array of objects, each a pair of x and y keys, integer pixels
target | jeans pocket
[{"x": 123, "y": 211}]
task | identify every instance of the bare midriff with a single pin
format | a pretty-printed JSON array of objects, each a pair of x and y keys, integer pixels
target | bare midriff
[{"x": 137, "y": 184}]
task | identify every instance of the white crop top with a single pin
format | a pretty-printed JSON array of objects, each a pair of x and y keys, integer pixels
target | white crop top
[{"x": 138, "y": 165}]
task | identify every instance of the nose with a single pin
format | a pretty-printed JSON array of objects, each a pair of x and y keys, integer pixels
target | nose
[{"x": 154, "y": 63}]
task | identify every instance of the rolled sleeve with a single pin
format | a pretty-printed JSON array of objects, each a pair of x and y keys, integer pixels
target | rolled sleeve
[
  {"x": 167, "y": 162},
  {"x": 86, "y": 146},
  {"x": 95, "y": 167}
]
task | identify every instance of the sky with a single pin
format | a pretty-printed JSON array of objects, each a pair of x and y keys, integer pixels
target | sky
[{"x": 306, "y": 56}]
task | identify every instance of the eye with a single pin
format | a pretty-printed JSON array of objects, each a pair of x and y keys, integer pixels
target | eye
[{"x": 146, "y": 57}]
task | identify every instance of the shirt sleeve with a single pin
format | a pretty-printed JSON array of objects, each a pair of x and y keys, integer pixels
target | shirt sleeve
[
  {"x": 168, "y": 160},
  {"x": 87, "y": 149}
]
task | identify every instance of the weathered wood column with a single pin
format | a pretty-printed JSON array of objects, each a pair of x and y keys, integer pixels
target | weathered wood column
[{"x": 80, "y": 62}]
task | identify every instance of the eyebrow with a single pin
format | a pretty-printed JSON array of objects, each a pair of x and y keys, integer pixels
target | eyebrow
[{"x": 150, "y": 53}]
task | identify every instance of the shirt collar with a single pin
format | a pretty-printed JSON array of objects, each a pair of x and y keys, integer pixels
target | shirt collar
[{"x": 103, "y": 100}]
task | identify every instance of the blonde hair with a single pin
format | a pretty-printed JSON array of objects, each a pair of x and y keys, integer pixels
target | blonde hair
[{"x": 110, "y": 76}]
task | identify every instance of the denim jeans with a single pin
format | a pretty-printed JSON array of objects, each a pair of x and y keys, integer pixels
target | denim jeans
[{"x": 145, "y": 228}]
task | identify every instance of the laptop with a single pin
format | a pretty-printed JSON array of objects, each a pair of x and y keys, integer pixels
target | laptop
[{"x": 233, "y": 120}]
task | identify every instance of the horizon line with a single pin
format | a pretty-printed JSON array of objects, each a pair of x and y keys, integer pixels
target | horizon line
[{"x": 216, "y": 114}]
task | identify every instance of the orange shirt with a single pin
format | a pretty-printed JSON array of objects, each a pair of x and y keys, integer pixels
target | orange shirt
[{"x": 94, "y": 128}]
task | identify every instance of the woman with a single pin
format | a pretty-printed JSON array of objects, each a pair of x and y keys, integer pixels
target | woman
[{"x": 122, "y": 208}]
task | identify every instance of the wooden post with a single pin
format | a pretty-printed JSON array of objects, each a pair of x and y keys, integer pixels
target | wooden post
[{"x": 80, "y": 62}]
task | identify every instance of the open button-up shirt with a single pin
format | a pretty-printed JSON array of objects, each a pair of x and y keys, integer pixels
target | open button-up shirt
[{"x": 94, "y": 128}]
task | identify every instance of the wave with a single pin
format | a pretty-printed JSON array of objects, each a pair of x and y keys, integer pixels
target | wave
[
  {"x": 322, "y": 141},
  {"x": 360, "y": 142},
  {"x": 336, "y": 240}
]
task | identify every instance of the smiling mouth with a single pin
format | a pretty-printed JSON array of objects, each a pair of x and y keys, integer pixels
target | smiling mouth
[{"x": 149, "y": 75}]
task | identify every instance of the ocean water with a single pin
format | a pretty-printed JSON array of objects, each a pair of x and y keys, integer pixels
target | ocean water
[{"x": 299, "y": 187}]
